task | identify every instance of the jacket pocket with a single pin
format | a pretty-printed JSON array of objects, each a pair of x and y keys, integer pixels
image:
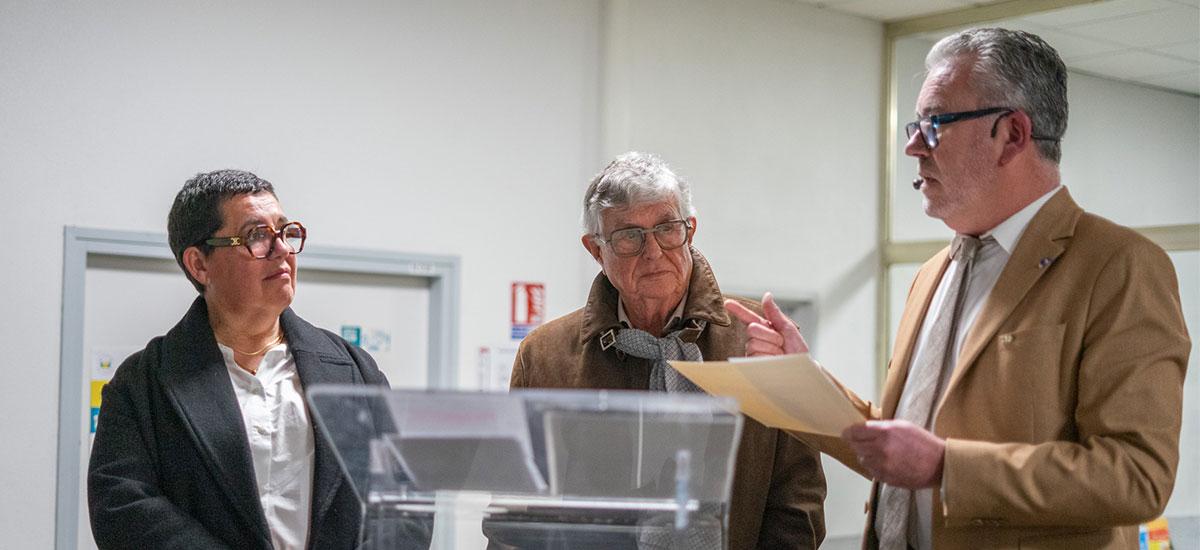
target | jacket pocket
[{"x": 1031, "y": 370}]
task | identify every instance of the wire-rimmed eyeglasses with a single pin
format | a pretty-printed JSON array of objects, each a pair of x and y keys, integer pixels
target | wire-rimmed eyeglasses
[{"x": 631, "y": 241}]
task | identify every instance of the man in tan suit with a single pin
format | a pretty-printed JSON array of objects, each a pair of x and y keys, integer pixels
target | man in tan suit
[{"x": 1034, "y": 395}]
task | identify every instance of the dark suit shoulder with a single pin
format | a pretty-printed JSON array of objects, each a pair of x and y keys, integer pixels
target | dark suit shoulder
[
  {"x": 139, "y": 366},
  {"x": 356, "y": 356}
]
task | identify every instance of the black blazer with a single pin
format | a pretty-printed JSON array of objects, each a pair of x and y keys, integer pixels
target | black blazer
[{"x": 170, "y": 464}]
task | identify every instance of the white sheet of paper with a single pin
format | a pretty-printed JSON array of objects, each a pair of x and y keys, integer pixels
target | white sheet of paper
[{"x": 790, "y": 392}]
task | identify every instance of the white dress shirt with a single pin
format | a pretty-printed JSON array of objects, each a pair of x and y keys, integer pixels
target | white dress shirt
[
  {"x": 281, "y": 442},
  {"x": 989, "y": 263}
]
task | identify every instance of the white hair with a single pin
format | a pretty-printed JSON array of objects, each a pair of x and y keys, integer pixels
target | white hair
[{"x": 633, "y": 178}]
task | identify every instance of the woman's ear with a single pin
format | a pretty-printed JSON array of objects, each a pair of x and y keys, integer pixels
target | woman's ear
[{"x": 196, "y": 264}]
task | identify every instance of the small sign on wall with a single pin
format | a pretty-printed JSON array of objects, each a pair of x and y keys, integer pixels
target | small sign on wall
[
  {"x": 528, "y": 307},
  {"x": 372, "y": 340},
  {"x": 495, "y": 366}
]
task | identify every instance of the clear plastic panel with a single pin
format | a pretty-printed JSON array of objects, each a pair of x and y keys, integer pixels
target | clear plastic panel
[{"x": 554, "y": 468}]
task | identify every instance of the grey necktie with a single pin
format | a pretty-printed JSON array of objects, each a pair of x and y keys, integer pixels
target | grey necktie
[
  {"x": 640, "y": 343},
  {"x": 923, "y": 388}
]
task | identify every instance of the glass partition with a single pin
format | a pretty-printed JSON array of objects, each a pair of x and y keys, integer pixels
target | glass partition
[{"x": 551, "y": 469}]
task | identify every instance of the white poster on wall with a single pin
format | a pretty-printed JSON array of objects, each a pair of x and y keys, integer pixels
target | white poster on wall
[{"x": 495, "y": 366}]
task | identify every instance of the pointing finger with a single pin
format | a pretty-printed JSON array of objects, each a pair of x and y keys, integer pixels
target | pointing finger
[
  {"x": 793, "y": 340},
  {"x": 744, "y": 314}
]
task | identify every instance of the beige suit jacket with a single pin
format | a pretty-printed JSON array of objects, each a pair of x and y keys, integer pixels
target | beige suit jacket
[{"x": 1062, "y": 416}]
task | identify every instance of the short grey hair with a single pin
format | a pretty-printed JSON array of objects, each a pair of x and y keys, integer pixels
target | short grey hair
[
  {"x": 1014, "y": 69},
  {"x": 633, "y": 178}
]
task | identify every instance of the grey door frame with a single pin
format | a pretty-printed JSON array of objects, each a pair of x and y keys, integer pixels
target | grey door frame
[{"x": 443, "y": 273}]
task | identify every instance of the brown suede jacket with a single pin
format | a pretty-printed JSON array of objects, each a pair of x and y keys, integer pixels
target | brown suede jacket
[{"x": 778, "y": 488}]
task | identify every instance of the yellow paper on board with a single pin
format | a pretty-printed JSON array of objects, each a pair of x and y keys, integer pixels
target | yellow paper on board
[
  {"x": 790, "y": 392},
  {"x": 97, "y": 390}
]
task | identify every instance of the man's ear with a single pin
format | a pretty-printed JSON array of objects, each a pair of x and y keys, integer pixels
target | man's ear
[
  {"x": 692, "y": 234},
  {"x": 196, "y": 264},
  {"x": 1017, "y": 132},
  {"x": 593, "y": 247}
]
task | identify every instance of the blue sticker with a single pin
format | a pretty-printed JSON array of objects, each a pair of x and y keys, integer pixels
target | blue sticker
[
  {"x": 352, "y": 334},
  {"x": 521, "y": 331},
  {"x": 95, "y": 415}
]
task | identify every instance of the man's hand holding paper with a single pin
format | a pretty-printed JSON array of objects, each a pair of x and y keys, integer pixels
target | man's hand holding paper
[{"x": 894, "y": 452}]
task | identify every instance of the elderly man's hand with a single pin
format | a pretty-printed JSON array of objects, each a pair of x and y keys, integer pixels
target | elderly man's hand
[
  {"x": 898, "y": 452},
  {"x": 773, "y": 335}
]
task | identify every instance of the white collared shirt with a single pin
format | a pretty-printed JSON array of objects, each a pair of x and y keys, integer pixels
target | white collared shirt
[
  {"x": 989, "y": 263},
  {"x": 281, "y": 442}
]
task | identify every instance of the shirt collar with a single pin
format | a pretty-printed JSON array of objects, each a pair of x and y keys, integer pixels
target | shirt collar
[
  {"x": 1009, "y": 231},
  {"x": 676, "y": 315}
]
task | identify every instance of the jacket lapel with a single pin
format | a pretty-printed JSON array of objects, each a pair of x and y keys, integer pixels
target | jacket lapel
[
  {"x": 704, "y": 299},
  {"x": 923, "y": 289},
  {"x": 319, "y": 361},
  {"x": 1039, "y": 246},
  {"x": 197, "y": 382}
]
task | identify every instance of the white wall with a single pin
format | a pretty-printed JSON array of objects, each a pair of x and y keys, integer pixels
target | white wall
[
  {"x": 462, "y": 128},
  {"x": 465, "y": 128},
  {"x": 470, "y": 128},
  {"x": 771, "y": 110}
]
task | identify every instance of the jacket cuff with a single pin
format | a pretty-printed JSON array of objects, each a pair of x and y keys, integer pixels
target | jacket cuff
[{"x": 965, "y": 494}]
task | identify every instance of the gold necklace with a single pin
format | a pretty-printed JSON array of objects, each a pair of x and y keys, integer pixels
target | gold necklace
[{"x": 267, "y": 347}]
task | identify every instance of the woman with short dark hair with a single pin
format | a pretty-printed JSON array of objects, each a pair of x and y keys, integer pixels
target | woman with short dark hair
[{"x": 204, "y": 439}]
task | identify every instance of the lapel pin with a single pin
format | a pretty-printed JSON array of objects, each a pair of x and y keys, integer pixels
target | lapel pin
[{"x": 1045, "y": 262}]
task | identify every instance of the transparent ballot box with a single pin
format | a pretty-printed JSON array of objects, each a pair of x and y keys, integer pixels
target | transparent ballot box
[{"x": 545, "y": 469}]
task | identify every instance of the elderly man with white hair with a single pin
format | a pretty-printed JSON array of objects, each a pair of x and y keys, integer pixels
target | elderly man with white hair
[{"x": 656, "y": 299}]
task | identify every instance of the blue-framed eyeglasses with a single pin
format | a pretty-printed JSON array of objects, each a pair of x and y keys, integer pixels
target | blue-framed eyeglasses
[{"x": 928, "y": 125}]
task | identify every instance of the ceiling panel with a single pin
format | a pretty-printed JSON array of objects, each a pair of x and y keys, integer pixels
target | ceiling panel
[
  {"x": 1188, "y": 82},
  {"x": 1069, "y": 45},
  {"x": 1148, "y": 29},
  {"x": 1132, "y": 65},
  {"x": 1155, "y": 42},
  {"x": 1186, "y": 50},
  {"x": 887, "y": 10},
  {"x": 1098, "y": 11}
]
